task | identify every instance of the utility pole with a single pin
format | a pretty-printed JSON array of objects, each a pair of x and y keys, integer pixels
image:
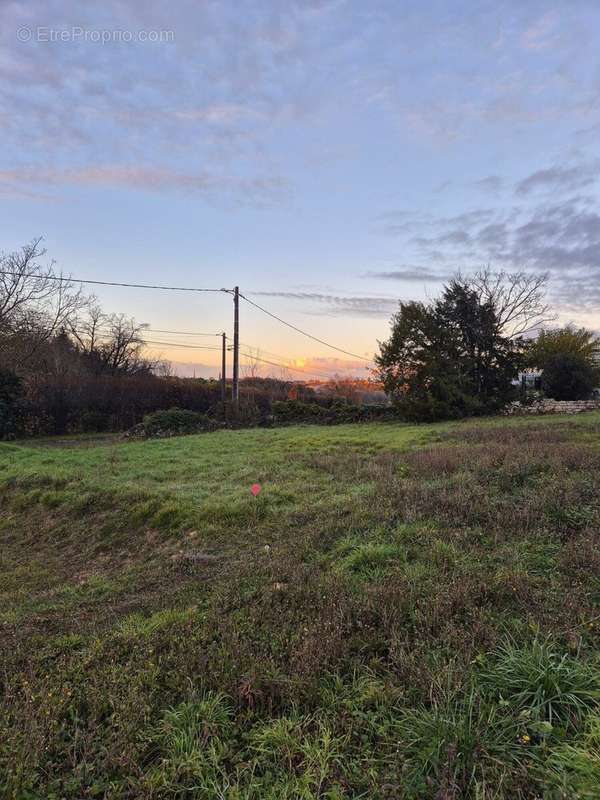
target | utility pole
[
  {"x": 223, "y": 374},
  {"x": 235, "y": 391}
]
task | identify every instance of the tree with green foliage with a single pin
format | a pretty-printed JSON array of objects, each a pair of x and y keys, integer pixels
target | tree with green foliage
[
  {"x": 568, "y": 376},
  {"x": 450, "y": 358},
  {"x": 568, "y": 360},
  {"x": 578, "y": 342}
]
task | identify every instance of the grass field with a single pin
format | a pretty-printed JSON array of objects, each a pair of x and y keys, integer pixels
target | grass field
[{"x": 403, "y": 612}]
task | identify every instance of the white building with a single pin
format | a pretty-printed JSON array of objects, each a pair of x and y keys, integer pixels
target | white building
[{"x": 529, "y": 379}]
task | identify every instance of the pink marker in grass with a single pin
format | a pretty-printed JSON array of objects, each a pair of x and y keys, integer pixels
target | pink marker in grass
[{"x": 255, "y": 489}]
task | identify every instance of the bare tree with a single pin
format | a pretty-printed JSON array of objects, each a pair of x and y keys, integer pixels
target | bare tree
[
  {"x": 113, "y": 343},
  {"x": 163, "y": 368},
  {"x": 32, "y": 295},
  {"x": 519, "y": 299},
  {"x": 251, "y": 369},
  {"x": 122, "y": 350},
  {"x": 36, "y": 303},
  {"x": 86, "y": 329}
]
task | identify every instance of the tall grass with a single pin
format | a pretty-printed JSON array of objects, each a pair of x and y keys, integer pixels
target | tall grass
[{"x": 542, "y": 684}]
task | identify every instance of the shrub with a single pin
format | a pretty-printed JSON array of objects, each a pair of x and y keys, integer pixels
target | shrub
[
  {"x": 334, "y": 413},
  {"x": 10, "y": 391},
  {"x": 175, "y": 421},
  {"x": 297, "y": 411},
  {"x": 568, "y": 377},
  {"x": 76, "y": 403}
]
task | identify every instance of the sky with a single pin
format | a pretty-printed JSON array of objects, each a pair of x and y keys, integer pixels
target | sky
[{"x": 330, "y": 157}]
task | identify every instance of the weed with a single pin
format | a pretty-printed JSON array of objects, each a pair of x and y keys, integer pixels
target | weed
[
  {"x": 542, "y": 684},
  {"x": 462, "y": 747},
  {"x": 368, "y": 559},
  {"x": 574, "y": 769},
  {"x": 137, "y": 625}
]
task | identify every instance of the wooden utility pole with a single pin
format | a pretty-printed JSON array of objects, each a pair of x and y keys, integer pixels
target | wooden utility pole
[
  {"x": 223, "y": 373},
  {"x": 235, "y": 391}
]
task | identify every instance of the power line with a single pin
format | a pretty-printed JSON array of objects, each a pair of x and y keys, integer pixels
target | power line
[
  {"x": 107, "y": 336},
  {"x": 62, "y": 279},
  {"x": 181, "y": 333},
  {"x": 251, "y": 356},
  {"x": 246, "y": 355},
  {"x": 143, "y": 329},
  {"x": 304, "y": 333},
  {"x": 192, "y": 333},
  {"x": 218, "y": 349},
  {"x": 235, "y": 292},
  {"x": 197, "y": 333},
  {"x": 208, "y": 347},
  {"x": 178, "y": 344}
]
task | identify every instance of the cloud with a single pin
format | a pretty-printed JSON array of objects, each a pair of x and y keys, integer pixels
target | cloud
[
  {"x": 560, "y": 237},
  {"x": 325, "y": 366},
  {"x": 212, "y": 95},
  {"x": 154, "y": 179},
  {"x": 228, "y": 72},
  {"x": 542, "y": 33},
  {"x": 559, "y": 179},
  {"x": 399, "y": 223},
  {"x": 491, "y": 183},
  {"x": 554, "y": 229},
  {"x": 409, "y": 274},
  {"x": 493, "y": 235},
  {"x": 218, "y": 114},
  {"x": 333, "y": 305},
  {"x": 396, "y": 223},
  {"x": 454, "y": 236}
]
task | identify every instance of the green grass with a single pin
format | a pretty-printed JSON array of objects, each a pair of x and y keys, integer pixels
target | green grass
[{"x": 403, "y": 612}]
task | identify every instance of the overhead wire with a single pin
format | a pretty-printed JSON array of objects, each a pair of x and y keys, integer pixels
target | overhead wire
[
  {"x": 157, "y": 341},
  {"x": 70, "y": 279},
  {"x": 304, "y": 333},
  {"x": 63, "y": 279}
]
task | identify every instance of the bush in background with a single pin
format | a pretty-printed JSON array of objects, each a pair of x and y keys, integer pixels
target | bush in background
[
  {"x": 176, "y": 421},
  {"x": 10, "y": 393},
  {"x": 336, "y": 412},
  {"x": 568, "y": 377}
]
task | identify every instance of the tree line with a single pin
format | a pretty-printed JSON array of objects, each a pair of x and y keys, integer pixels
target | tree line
[{"x": 66, "y": 365}]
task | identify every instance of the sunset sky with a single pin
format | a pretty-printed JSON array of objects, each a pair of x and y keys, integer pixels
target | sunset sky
[{"x": 328, "y": 157}]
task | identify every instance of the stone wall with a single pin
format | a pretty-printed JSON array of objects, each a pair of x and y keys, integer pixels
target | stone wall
[{"x": 547, "y": 406}]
